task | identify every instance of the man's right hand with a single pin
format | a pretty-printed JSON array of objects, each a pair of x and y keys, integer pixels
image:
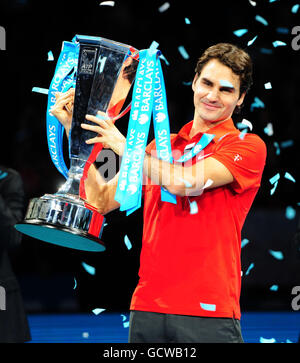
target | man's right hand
[{"x": 63, "y": 108}]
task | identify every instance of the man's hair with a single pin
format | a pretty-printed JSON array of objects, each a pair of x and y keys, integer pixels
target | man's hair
[{"x": 233, "y": 57}]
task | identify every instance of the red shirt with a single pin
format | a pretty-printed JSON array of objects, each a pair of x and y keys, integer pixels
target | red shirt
[{"x": 190, "y": 263}]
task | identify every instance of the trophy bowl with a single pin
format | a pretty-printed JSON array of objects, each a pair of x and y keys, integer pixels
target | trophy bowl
[{"x": 105, "y": 72}]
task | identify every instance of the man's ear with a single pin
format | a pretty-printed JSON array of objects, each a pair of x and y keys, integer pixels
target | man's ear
[
  {"x": 194, "y": 81},
  {"x": 241, "y": 99}
]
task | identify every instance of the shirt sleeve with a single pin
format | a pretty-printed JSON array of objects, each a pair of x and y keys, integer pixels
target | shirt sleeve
[{"x": 244, "y": 158}]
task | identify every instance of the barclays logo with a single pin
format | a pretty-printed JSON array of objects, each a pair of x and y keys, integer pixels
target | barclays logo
[{"x": 2, "y": 38}]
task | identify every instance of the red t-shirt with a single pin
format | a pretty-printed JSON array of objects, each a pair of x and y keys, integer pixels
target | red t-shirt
[{"x": 190, "y": 262}]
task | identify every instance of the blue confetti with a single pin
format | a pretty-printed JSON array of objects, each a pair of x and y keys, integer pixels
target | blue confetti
[
  {"x": 208, "y": 307},
  {"x": 269, "y": 129},
  {"x": 187, "y": 21},
  {"x": 266, "y": 51},
  {"x": 153, "y": 47},
  {"x": 183, "y": 52},
  {"x": 164, "y": 59},
  {"x": 282, "y": 30},
  {"x": 249, "y": 268},
  {"x": 240, "y": 32},
  {"x": 275, "y": 178},
  {"x": 286, "y": 143},
  {"x": 276, "y": 254},
  {"x": 75, "y": 284},
  {"x": 127, "y": 242},
  {"x": 257, "y": 104},
  {"x": 295, "y": 8},
  {"x": 89, "y": 269},
  {"x": 242, "y": 134},
  {"x": 261, "y": 20},
  {"x": 274, "y": 188},
  {"x": 245, "y": 241},
  {"x": 278, "y": 43},
  {"x": 225, "y": 83},
  {"x": 50, "y": 56},
  {"x": 3, "y": 174},
  {"x": 274, "y": 288},
  {"x": 275, "y": 143},
  {"x": 187, "y": 83},
  {"x": 125, "y": 323},
  {"x": 289, "y": 177},
  {"x": 40, "y": 90},
  {"x": 251, "y": 41},
  {"x": 290, "y": 212}
]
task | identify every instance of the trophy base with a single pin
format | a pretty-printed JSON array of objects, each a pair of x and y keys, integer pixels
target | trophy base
[{"x": 64, "y": 221}]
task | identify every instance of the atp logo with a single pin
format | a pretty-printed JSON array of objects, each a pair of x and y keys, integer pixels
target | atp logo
[{"x": 2, "y": 38}]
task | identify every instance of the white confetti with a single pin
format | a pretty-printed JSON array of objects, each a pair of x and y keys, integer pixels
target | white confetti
[
  {"x": 268, "y": 85},
  {"x": 164, "y": 7},
  {"x": 193, "y": 207},
  {"x": 85, "y": 334},
  {"x": 98, "y": 311},
  {"x": 253, "y": 3},
  {"x": 107, "y": 3},
  {"x": 264, "y": 340},
  {"x": 247, "y": 123},
  {"x": 252, "y": 41}
]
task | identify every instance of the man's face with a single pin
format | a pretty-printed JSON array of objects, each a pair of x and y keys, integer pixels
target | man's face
[{"x": 216, "y": 92}]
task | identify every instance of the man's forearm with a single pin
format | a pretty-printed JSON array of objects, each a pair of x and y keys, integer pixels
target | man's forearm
[{"x": 176, "y": 179}]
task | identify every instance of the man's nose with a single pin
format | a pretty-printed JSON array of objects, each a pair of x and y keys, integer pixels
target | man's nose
[{"x": 213, "y": 95}]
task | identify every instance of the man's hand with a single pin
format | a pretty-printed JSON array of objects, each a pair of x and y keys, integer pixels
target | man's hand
[
  {"x": 108, "y": 134},
  {"x": 63, "y": 108}
]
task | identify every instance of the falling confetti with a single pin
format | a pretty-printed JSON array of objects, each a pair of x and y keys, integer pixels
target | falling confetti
[
  {"x": 98, "y": 311},
  {"x": 275, "y": 143},
  {"x": 290, "y": 212},
  {"x": 261, "y": 20},
  {"x": 183, "y": 52},
  {"x": 244, "y": 242},
  {"x": 193, "y": 207},
  {"x": 50, "y": 56},
  {"x": 274, "y": 288},
  {"x": 289, "y": 177},
  {"x": 257, "y": 104},
  {"x": 278, "y": 43},
  {"x": 266, "y": 51},
  {"x": 269, "y": 129},
  {"x": 89, "y": 269},
  {"x": 282, "y": 30},
  {"x": 249, "y": 269},
  {"x": 251, "y": 41},
  {"x": 85, "y": 334},
  {"x": 268, "y": 85},
  {"x": 225, "y": 83},
  {"x": 75, "y": 284},
  {"x": 242, "y": 134},
  {"x": 208, "y": 307},
  {"x": 107, "y": 3},
  {"x": 125, "y": 323},
  {"x": 295, "y": 8},
  {"x": 286, "y": 143},
  {"x": 187, "y": 21},
  {"x": 276, "y": 254},
  {"x": 240, "y": 32},
  {"x": 264, "y": 340},
  {"x": 253, "y": 3},
  {"x": 40, "y": 90},
  {"x": 127, "y": 242},
  {"x": 164, "y": 7},
  {"x": 274, "y": 188}
]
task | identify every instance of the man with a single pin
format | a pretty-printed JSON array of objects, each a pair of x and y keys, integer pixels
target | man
[
  {"x": 190, "y": 268},
  {"x": 13, "y": 321}
]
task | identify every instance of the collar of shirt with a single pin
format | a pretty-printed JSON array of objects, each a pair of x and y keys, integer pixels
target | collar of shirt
[{"x": 219, "y": 130}]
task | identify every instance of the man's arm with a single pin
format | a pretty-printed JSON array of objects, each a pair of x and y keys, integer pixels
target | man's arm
[{"x": 186, "y": 180}]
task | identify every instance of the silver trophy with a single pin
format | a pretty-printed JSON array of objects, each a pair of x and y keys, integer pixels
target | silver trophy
[{"x": 105, "y": 72}]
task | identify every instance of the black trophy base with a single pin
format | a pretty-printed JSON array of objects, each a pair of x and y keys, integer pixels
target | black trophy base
[{"x": 61, "y": 236}]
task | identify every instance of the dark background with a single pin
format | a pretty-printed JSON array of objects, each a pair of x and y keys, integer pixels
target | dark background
[{"x": 47, "y": 273}]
